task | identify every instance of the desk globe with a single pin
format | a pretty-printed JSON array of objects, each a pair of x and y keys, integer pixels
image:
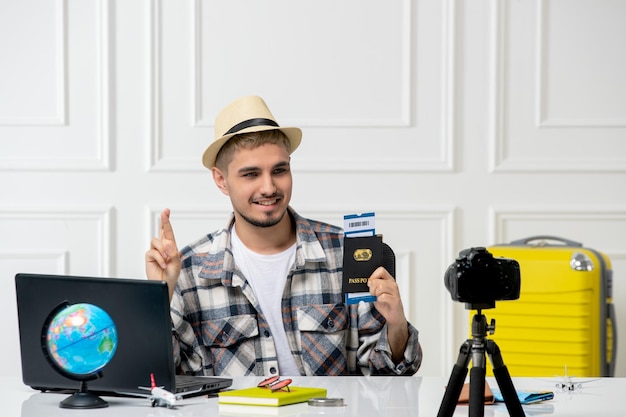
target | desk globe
[{"x": 80, "y": 340}]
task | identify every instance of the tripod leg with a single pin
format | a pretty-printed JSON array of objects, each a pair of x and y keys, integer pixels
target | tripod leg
[
  {"x": 501, "y": 372},
  {"x": 455, "y": 384},
  {"x": 477, "y": 392},
  {"x": 477, "y": 382}
]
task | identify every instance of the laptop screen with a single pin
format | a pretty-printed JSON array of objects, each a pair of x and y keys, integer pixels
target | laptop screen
[{"x": 139, "y": 309}]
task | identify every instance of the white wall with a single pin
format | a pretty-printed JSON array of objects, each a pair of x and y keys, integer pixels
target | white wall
[{"x": 459, "y": 123}]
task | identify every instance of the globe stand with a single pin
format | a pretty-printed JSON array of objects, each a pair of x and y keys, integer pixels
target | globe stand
[{"x": 83, "y": 399}]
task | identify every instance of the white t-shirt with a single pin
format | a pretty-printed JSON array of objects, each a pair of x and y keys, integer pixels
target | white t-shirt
[{"x": 267, "y": 275}]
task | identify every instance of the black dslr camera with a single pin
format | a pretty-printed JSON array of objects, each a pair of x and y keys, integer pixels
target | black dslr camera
[{"x": 479, "y": 280}]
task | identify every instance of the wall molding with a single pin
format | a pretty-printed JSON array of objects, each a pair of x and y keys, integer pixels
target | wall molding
[
  {"x": 101, "y": 159},
  {"x": 444, "y": 162},
  {"x": 500, "y": 216},
  {"x": 59, "y": 258},
  {"x": 501, "y": 159},
  {"x": 541, "y": 115},
  {"x": 59, "y": 118},
  {"x": 100, "y": 216}
]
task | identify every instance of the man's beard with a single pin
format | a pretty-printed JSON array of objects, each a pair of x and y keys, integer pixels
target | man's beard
[{"x": 262, "y": 223}]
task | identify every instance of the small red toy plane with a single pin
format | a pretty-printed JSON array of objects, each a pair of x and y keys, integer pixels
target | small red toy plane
[{"x": 159, "y": 396}]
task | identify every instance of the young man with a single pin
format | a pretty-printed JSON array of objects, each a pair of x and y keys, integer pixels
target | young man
[{"x": 263, "y": 296}]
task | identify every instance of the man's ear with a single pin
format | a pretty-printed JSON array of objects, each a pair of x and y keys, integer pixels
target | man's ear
[{"x": 220, "y": 180}]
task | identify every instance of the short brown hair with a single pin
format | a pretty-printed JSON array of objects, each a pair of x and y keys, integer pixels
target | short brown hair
[{"x": 250, "y": 141}]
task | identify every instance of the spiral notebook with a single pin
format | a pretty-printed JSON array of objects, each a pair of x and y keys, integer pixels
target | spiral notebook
[{"x": 141, "y": 313}]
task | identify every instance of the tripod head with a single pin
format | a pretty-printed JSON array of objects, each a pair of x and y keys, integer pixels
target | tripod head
[
  {"x": 480, "y": 328},
  {"x": 480, "y": 306}
]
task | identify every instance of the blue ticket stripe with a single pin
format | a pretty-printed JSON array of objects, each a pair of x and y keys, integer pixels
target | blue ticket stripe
[
  {"x": 357, "y": 233},
  {"x": 355, "y": 298}
]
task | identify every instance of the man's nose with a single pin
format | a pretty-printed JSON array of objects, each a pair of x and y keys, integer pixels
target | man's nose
[{"x": 268, "y": 186}]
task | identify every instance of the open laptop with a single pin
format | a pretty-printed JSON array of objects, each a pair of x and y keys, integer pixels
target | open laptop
[{"x": 141, "y": 313}]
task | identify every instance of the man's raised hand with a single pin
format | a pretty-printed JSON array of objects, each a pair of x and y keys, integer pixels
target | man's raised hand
[
  {"x": 389, "y": 304},
  {"x": 163, "y": 258}
]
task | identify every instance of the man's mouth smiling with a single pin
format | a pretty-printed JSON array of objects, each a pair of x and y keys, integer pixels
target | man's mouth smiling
[{"x": 267, "y": 202}]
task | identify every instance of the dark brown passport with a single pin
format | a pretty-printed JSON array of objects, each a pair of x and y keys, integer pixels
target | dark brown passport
[
  {"x": 361, "y": 256},
  {"x": 465, "y": 394}
]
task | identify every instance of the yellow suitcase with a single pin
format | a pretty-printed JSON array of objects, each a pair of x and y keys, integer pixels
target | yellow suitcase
[{"x": 564, "y": 318}]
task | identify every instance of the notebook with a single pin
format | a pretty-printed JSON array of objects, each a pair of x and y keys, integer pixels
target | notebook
[{"x": 141, "y": 313}]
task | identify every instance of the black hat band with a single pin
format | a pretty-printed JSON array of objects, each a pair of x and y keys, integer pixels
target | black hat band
[{"x": 250, "y": 123}]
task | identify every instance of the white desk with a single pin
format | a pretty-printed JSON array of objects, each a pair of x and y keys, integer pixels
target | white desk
[{"x": 364, "y": 397}]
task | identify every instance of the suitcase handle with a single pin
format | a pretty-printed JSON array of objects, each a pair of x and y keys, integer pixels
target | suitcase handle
[
  {"x": 526, "y": 240},
  {"x": 611, "y": 317}
]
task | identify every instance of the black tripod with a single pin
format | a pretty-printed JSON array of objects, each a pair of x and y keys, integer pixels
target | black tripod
[{"x": 475, "y": 349}]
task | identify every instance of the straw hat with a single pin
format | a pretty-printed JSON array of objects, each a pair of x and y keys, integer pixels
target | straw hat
[{"x": 245, "y": 115}]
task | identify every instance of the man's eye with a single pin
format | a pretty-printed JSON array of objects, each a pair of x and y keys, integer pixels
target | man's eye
[{"x": 250, "y": 174}]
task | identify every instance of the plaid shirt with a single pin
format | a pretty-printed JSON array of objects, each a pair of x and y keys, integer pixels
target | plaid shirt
[{"x": 220, "y": 330}]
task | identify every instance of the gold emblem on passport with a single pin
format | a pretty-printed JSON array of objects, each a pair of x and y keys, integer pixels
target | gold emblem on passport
[{"x": 361, "y": 255}]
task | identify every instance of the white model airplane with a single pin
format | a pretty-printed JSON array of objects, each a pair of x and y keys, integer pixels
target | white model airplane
[
  {"x": 567, "y": 382},
  {"x": 159, "y": 396}
]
